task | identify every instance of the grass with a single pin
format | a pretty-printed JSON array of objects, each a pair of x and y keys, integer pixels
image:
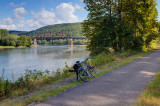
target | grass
[
  {"x": 44, "y": 95},
  {"x": 151, "y": 94},
  {"x": 10, "y": 47},
  {"x": 3, "y": 47},
  {"x": 106, "y": 65}
]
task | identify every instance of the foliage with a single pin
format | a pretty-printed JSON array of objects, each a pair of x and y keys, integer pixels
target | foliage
[
  {"x": 120, "y": 24},
  {"x": 5, "y": 87},
  {"x": 62, "y": 42},
  {"x": 74, "y": 29},
  {"x": 105, "y": 57},
  {"x": 13, "y": 40},
  {"x": 23, "y": 40},
  {"x": 31, "y": 80}
]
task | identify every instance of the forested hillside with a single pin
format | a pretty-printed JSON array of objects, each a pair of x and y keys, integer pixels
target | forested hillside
[{"x": 74, "y": 29}]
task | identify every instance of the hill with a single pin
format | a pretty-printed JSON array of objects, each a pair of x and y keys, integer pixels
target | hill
[
  {"x": 14, "y": 32},
  {"x": 74, "y": 29}
]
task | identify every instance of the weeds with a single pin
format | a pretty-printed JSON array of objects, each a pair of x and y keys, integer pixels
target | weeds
[
  {"x": 108, "y": 58},
  {"x": 5, "y": 87},
  {"x": 151, "y": 95},
  {"x": 31, "y": 80}
]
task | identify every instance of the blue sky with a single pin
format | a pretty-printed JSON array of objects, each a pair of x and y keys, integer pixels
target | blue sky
[{"x": 26, "y": 15}]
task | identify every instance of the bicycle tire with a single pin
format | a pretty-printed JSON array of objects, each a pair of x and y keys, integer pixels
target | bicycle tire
[
  {"x": 83, "y": 75},
  {"x": 92, "y": 72}
]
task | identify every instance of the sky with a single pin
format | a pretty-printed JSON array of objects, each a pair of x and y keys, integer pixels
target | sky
[{"x": 27, "y": 15}]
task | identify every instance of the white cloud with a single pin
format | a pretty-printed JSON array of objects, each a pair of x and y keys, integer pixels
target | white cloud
[
  {"x": 6, "y": 21},
  {"x": 7, "y": 24},
  {"x": 16, "y": 5},
  {"x": 77, "y": 6},
  {"x": 8, "y": 27},
  {"x": 64, "y": 13},
  {"x": 18, "y": 12},
  {"x": 44, "y": 17}
]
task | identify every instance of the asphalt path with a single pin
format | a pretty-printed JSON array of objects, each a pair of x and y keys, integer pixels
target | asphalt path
[{"x": 119, "y": 87}]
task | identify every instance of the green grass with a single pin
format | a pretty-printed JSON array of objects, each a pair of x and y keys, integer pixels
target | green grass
[
  {"x": 40, "y": 96},
  {"x": 121, "y": 62},
  {"x": 3, "y": 47},
  {"x": 44, "y": 95},
  {"x": 151, "y": 95},
  {"x": 113, "y": 62},
  {"x": 10, "y": 47}
]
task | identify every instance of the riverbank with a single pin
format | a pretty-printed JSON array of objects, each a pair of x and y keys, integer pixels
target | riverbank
[
  {"x": 104, "y": 65},
  {"x": 11, "y": 47}
]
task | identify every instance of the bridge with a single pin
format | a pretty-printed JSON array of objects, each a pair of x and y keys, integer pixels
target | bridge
[{"x": 55, "y": 36}]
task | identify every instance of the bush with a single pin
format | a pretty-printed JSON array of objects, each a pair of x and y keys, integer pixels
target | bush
[{"x": 5, "y": 87}]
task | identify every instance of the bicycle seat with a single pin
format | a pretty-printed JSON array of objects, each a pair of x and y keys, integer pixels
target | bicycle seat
[
  {"x": 90, "y": 67},
  {"x": 78, "y": 62}
]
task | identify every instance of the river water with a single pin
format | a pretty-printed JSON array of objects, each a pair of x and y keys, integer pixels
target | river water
[{"x": 15, "y": 61}]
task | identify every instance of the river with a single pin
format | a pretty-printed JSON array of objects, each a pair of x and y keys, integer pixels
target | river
[{"x": 15, "y": 61}]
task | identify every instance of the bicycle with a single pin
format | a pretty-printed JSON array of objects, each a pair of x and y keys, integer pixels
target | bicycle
[{"x": 83, "y": 71}]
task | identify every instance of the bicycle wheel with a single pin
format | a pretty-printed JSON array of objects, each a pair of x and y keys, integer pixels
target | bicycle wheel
[
  {"x": 83, "y": 75},
  {"x": 92, "y": 72}
]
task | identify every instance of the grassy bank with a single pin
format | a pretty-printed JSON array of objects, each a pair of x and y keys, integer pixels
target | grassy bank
[
  {"x": 38, "y": 86},
  {"x": 151, "y": 94},
  {"x": 4, "y": 47},
  {"x": 10, "y": 47}
]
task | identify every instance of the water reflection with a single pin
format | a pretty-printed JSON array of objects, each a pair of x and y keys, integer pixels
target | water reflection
[
  {"x": 41, "y": 58},
  {"x": 35, "y": 50},
  {"x": 71, "y": 51}
]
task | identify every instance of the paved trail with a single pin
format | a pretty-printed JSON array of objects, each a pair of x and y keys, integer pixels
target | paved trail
[{"x": 120, "y": 87}]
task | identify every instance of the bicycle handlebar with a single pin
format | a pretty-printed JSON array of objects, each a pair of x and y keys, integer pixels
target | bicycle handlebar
[{"x": 85, "y": 60}]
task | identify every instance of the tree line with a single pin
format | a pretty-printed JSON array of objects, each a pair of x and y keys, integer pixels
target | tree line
[
  {"x": 61, "y": 42},
  {"x": 121, "y": 25},
  {"x": 7, "y": 39}
]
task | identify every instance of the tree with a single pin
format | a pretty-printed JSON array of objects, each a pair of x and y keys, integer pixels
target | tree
[
  {"x": 24, "y": 41},
  {"x": 3, "y": 33},
  {"x": 120, "y": 24}
]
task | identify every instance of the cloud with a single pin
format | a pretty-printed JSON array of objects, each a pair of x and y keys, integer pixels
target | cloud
[
  {"x": 7, "y": 24},
  {"x": 8, "y": 27},
  {"x": 44, "y": 17},
  {"x": 63, "y": 13},
  {"x": 17, "y": 5},
  {"x": 18, "y": 12},
  {"x": 77, "y": 6},
  {"x": 6, "y": 21}
]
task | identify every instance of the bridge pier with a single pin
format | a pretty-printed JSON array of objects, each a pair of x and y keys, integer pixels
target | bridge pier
[
  {"x": 35, "y": 43},
  {"x": 49, "y": 38},
  {"x": 71, "y": 42}
]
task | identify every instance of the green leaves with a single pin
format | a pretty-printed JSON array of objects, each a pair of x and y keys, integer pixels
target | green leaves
[
  {"x": 23, "y": 40},
  {"x": 120, "y": 24},
  {"x": 14, "y": 40}
]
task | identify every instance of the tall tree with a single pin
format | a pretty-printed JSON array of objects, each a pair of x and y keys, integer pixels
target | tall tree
[{"x": 120, "y": 24}]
